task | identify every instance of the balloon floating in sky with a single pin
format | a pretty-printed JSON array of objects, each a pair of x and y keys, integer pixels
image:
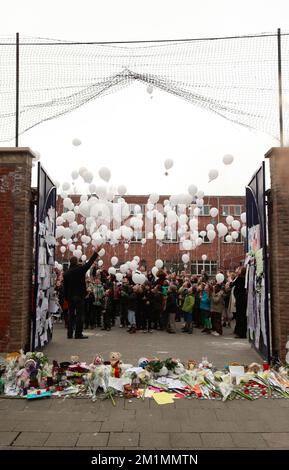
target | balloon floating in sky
[
  {"x": 168, "y": 165},
  {"x": 76, "y": 142},
  {"x": 150, "y": 89},
  {"x": 104, "y": 174},
  {"x": 213, "y": 174},
  {"x": 228, "y": 159}
]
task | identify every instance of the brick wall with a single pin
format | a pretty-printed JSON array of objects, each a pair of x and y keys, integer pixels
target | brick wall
[
  {"x": 279, "y": 246},
  {"x": 227, "y": 255},
  {"x": 16, "y": 219}
]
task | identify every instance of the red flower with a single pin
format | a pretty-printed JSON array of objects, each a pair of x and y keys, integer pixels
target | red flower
[
  {"x": 38, "y": 392},
  {"x": 263, "y": 392},
  {"x": 246, "y": 391}
]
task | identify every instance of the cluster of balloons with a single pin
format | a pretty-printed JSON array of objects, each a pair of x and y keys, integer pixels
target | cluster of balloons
[{"x": 105, "y": 207}]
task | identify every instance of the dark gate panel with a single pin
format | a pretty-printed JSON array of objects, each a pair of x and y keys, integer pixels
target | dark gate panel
[
  {"x": 44, "y": 294},
  {"x": 259, "y": 324}
]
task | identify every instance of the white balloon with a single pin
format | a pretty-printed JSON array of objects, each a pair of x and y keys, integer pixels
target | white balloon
[
  {"x": 228, "y": 239},
  {"x": 62, "y": 249},
  {"x": 80, "y": 228},
  {"x": 187, "y": 245},
  {"x": 229, "y": 219},
  {"x": 100, "y": 263},
  {"x": 213, "y": 174},
  {"x": 143, "y": 241},
  {"x": 71, "y": 247},
  {"x": 154, "y": 271},
  {"x": 235, "y": 235},
  {"x": 228, "y": 159},
  {"x": 150, "y": 235},
  {"x": 196, "y": 211},
  {"x": 67, "y": 203},
  {"x": 236, "y": 224},
  {"x": 92, "y": 188},
  {"x": 76, "y": 209},
  {"x": 66, "y": 186},
  {"x": 77, "y": 253},
  {"x": 210, "y": 227},
  {"x": 76, "y": 142},
  {"x": 59, "y": 220},
  {"x": 104, "y": 174},
  {"x": 70, "y": 216},
  {"x": 199, "y": 241},
  {"x": 200, "y": 194},
  {"x": 168, "y": 163},
  {"x": 74, "y": 174},
  {"x": 160, "y": 234},
  {"x": 88, "y": 177},
  {"x": 159, "y": 264},
  {"x": 244, "y": 231},
  {"x": 119, "y": 277},
  {"x": 114, "y": 260},
  {"x": 243, "y": 217},
  {"x": 220, "y": 278},
  {"x": 192, "y": 189},
  {"x": 222, "y": 230},
  {"x": 200, "y": 202},
  {"x": 204, "y": 257},
  {"x": 136, "y": 258},
  {"x": 83, "y": 258},
  {"x": 112, "y": 270},
  {"x": 211, "y": 234},
  {"x": 214, "y": 212},
  {"x": 64, "y": 241},
  {"x": 150, "y": 89},
  {"x": 121, "y": 189},
  {"x": 101, "y": 252},
  {"x": 185, "y": 258},
  {"x": 153, "y": 198},
  {"x": 126, "y": 246},
  {"x": 82, "y": 170}
]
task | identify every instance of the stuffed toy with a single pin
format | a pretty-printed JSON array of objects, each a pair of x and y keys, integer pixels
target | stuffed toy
[
  {"x": 115, "y": 363},
  {"x": 191, "y": 364}
]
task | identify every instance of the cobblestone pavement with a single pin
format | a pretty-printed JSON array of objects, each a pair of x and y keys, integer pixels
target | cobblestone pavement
[
  {"x": 220, "y": 350},
  {"x": 78, "y": 423},
  {"x": 73, "y": 423}
]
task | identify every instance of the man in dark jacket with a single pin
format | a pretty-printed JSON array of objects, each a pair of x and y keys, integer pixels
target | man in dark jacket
[{"x": 74, "y": 292}]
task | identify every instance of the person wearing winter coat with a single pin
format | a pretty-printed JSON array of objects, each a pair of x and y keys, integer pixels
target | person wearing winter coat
[
  {"x": 217, "y": 307},
  {"x": 171, "y": 308},
  {"x": 187, "y": 309}
]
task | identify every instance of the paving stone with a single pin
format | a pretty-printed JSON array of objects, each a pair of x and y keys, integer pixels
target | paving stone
[
  {"x": 277, "y": 440},
  {"x": 137, "y": 404},
  {"x": 7, "y": 438},
  {"x": 92, "y": 439},
  {"x": 185, "y": 440},
  {"x": 37, "y": 426},
  {"x": 73, "y": 426},
  {"x": 6, "y": 424},
  {"x": 238, "y": 415},
  {"x": 111, "y": 425},
  {"x": 154, "y": 440},
  {"x": 153, "y": 424},
  {"x": 42, "y": 404},
  {"x": 221, "y": 440},
  {"x": 28, "y": 439},
  {"x": 66, "y": 439},
  {"x": 249, "y": 440},
  {"x": 207, "y": 426},
  {"x": 123, "y": 439}
]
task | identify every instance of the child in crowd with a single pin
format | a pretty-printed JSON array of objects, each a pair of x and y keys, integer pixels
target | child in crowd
[
  {"x": 131, "y": 309},
  {"x": 205, "y": 308}
]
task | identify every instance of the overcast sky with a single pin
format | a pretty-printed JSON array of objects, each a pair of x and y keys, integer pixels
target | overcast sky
[{"x": 129, "y": 132}]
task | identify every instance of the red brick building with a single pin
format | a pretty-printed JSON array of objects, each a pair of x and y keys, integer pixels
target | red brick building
[{"x": 220, "y": 254}]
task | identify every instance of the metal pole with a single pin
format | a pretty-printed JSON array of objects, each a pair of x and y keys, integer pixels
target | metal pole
[
  {"x": 17, "y": 91},
  {"x": 280, "y": 88}
]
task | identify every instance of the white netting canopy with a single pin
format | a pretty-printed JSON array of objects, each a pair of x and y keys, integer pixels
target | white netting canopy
[{"x": 236, "y": 78}]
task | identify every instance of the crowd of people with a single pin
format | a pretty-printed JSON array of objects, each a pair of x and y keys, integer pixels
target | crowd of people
[{"x": 160, "y": 303}]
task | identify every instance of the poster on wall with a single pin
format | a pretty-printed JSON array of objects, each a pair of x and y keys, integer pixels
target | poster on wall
[
  {"x": 45, "y": 242},
  {"x": 258, "y": 318}
]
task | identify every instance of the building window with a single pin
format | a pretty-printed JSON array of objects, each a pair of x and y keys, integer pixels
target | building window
[
  {"x": 209, "y": 266},
  {"x": 240, "y": 239},
  {"x": 205, "y": 210},
  {"x": 231, "y": 209}
]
